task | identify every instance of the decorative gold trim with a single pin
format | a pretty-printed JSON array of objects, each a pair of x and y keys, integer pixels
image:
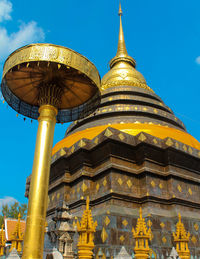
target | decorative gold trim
[
  {"x": 126, "y": 83},
  {"x": 52, "y": 53}
]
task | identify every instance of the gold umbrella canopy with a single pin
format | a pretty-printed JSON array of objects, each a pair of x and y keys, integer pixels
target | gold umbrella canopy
[{"x": 29, "y": 69}]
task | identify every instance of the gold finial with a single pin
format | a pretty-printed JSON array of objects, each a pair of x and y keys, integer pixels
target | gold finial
[
  {"x": 122, "y": 54},
  {"x": 122, "y": 66},
  {"x": 181, "y": 238},
  {"x": 142, "y": 237},
  {"x": 120, "y": 10}
]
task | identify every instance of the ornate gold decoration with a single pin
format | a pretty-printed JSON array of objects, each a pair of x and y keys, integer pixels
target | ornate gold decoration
[
  {"x": 84, "y": 187},
  {"x": 125, "y": 83},
  {"x": 190, "y": 150},
  {"x": 196, "y": 226},
  {"x": 184, "y": 148},
  {"x": 58, "y": 196},
  {"x": 62, "y": 152},
  {"x": 108, "y": 133},
  {"x": 160, "y": 185},
  {"x": 52, "y": 53},
  {"x": 179, "y": 188},
  {"x": 104, "y": 235},
  {"x": 97, "y": 186},
  {"x": 121, "y": 136},
  {"x": 96, "y": 140},
  {"x": 177, "y": 145},
  {"x": 181, "y": 238},
  {"x": 120, "y": 182},
  {"x": 129, "y": 183},
  {"x": 142, "y": 237},
  {"x": 125, "y": 222},
  {"x": 153, "y": 184},
  {"x": 53, "y": 196},
  {"x": 86, "y": 229},
  {"x": 162, "y": 224},
  {"x": 155, "y": 141},
  {"x": 149, "y": 223},
  {"x": 81, "y": 143},
  {"x": 72, "y": 149},
  {"x": 133, "y": 129},
  {"x": 155, "y": 111},
  {"x": 122, "y": 238},
  {"x": 2, "y": 241},
  {"x": 104, "y": 182},
  {"x": 169, "y": 142},
  {"x": 190, "y": 191},
  {"x": 194, "y": 240},
  {"x": 17, "y": 237},
  {"x": 142, "y": 137},
  {"x": 107, "y": 220}
]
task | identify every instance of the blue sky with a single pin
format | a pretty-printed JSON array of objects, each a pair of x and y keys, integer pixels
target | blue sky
[{"x": 163, "y": 37}]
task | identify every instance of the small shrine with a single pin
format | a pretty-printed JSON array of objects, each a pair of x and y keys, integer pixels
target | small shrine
[
  {"x": 142, "y": 237},
  {"x": 63, "y": 231},
  {"x": 17, "y": 237},
  {"x": 86, "y": 229},
  {"x": 181, "y": 238}
]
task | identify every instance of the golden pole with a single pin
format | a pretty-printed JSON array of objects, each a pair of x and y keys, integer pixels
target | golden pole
[{"x": 38, "y": 195}]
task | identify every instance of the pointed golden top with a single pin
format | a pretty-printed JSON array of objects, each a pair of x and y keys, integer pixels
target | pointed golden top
[
  {"x": 141, "y": 228},
  {"x": 120, "y": 10},
  {"x": 122, "y": 54},
  {"x": 122, "y": 66},
  {"x": 181, "y": 233}
]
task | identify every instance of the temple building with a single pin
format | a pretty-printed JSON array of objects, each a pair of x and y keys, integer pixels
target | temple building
[{"x": 131, "y": 153}]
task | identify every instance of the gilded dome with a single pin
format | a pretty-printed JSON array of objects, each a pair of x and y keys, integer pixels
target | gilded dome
[{"x": 123, "y": 73}]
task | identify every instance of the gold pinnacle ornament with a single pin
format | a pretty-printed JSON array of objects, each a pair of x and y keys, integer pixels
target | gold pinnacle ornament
[
  {"x": 181, "y": 238},
  {"x": 142, "y": 237},
  {"x": 52, "y": 84},
  {"x": 2, "y": 240},
  {"x": 86, "y": 229}
]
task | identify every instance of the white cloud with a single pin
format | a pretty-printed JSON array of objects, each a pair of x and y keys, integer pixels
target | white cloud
[
  {"x": 27, "y": 32},
  {"x": 197, "y": 60},
  {"x": 5, "y": 10},
  {"x": 7, "y": 200}
]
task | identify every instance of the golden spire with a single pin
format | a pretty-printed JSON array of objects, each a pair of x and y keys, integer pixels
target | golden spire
[
  {"x": 86, "y": 229},
  {"x": 122, "y": 66},
  {"x": 142, "y": 237},
  {"x": 122, "y": 54},
  {"x": 181, "y": 238}
]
